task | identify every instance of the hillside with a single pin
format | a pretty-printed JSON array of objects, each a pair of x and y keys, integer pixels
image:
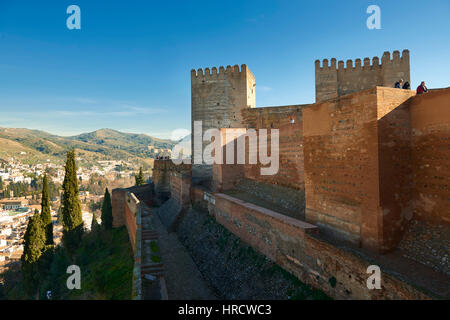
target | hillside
[{"x": 32, "y": 146}]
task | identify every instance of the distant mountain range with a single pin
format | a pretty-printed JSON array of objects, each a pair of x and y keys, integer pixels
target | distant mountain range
[{"x": 32, "y": 146}]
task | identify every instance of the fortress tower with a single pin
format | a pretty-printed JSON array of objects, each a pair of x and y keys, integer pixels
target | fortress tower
[
  {"x": 333, "y": 81},
  {"x": 218, "y": 99}
]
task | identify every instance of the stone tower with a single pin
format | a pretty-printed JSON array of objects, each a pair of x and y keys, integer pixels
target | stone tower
[
  {"x": 333, "y": 81},
  {"x": 218, "y": 99}
]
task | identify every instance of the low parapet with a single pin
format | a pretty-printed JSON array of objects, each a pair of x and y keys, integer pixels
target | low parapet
[
  {"x": 367, "y": 62},
  {"x": 213, "y": 72}
]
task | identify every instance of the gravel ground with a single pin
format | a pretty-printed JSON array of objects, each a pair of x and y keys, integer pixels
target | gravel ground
[
  {"x": 428, "y": 244},
  {"x": 233, "y": 269}
]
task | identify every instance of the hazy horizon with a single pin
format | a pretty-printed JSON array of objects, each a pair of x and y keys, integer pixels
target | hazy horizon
[{"x": 82, "y": 132}]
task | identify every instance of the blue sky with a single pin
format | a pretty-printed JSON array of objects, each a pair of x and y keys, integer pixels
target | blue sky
[{"x": 128, "y": 68}]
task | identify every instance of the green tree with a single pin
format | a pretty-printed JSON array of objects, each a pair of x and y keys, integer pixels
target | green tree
[
  {"x": 71, "y": 207},
  {"x": 1, "y": 184},
  {"x": 45, "y": 212},
  {"x": 34, "y": 244},
  {"x": 139, "y": 178},
  {"x": 107, "y": 217},
  {"x": 94, "y": 223}
]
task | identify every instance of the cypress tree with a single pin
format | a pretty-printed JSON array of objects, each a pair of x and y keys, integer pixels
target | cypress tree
[
  {"x": 71, "y": 207},
  {"x": 34, "y": 244},
  {"x": 107, "y": 217},
  {"x": 139, "y": 178},
  {"x": 45, "y": 212},
  {"x": 94, "y": 223}
]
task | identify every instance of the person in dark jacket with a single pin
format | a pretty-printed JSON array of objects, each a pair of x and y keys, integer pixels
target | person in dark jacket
[
  {"x": 422, "y": 88},
  {"x": 407, "y": 86},
  {"x": 399, "y": 84}
]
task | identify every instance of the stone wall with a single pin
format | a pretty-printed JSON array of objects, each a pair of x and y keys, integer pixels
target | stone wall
[
  {"x": 334, "y": 80},
  {"x": 295, "y": 246},
  {"x": 162, "y": 171},
  {"x": 347, "y": 145},
  {"x": 125, "y": 207},
  {"x": 180, "y": 184},
  {"x": 394, "y": 164},
  {"x": 217, "y": 99},
  {"x": 289, "y": 121},
  {"x": 430, "y": 124}
]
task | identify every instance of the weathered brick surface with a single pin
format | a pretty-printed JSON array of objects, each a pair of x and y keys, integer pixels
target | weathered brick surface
[
  {"x": 341, "y": 166},
  {"x": 292, "y": 200},
  {"x": 162, "y": 171},
  {"x": 180, "y": 185},
  {"x": 124, "y": 206},
  {"x": 334, "y": 80},
  {"x": 118, "y": 207},
  {"x": 430, "y": 124},
  {"x": 394, "y": 158},
  {"x": 291, "y": 170},
  {"x": 354, "y": 146}
]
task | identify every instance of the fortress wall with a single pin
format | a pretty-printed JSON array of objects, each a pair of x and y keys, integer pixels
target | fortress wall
[
  {"x": 430, "y": 124},
  {"x": 217, "y": 99},
  {"x": 341, "y": 167},
  {"x": 334, "y": 80},
  {"x": 294, "y": 246},
  {"x": 359, "y": 178},
  {"x": 118, "y": 207},
  {"x": 131, "y": 210},
  {"x": 180, "y": 184},
  {"x": 161, "y": 176},
  {"x": 198, "y": 198},
  {"x": 225, "y": 176},
  {"x": 124, "y": 206},
  {"x": 394, "y": 158},
  {"x": 262, "y": 228},
  {"x": 291, "y": 170}
]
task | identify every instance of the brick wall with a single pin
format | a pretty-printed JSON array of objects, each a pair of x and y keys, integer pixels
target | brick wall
[
  {"x": 180, "y": 188},
  {"x": 118, "y": 207},
  {"x": 162, "y": 170},
  {"x": 353, "y": 146},
  {"x": 125, "y": 207},
  {"x": 394, "y": 161},
  {"x": 291, "y": 169},
  {"x": 293, "y": 244},
  {"x": 341, "y": 168},
  {"x": 430, "y": 122}
]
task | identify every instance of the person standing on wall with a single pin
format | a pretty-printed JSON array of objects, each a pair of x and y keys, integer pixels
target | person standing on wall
[
  {"x": 399, "y": 84},
  {"x": 407, "y": 86},
  {"x": 422, "y": 88}
]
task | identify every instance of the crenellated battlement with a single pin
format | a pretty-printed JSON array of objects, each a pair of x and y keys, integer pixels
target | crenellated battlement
[
  {"x": 334, "y": 78},
  {"x": 219, "y": 73},
  {"x": 325, "y": 64}
]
